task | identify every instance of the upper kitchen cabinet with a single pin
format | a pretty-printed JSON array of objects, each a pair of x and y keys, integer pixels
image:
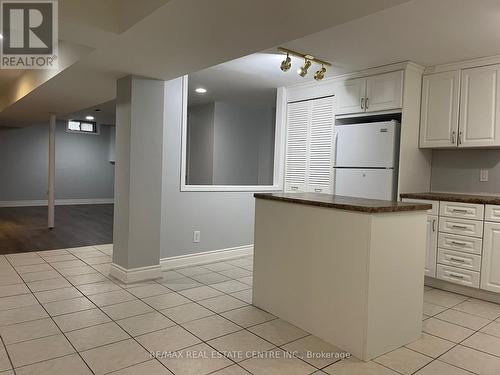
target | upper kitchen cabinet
[
  {"x": 384, "y": 92},
  {"x": 439, "y": 114},
  {"x": 480, "y": 107},
  {"x": 461, "y": 108},
  {"x": 370, "y": 94},
  {"x": 350, "y": 96}
]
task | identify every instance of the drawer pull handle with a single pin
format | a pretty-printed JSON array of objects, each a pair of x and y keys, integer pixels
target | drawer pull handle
[
  {"x": 462, "y": 227},
  {"x": 455, "y": 276},
  {"x": 460, "y": 211},
  {"x": 457, "y": 260},
  {"x": 318, "y": 190},
  {"x": 458, "y": 243},
  {"x": 294, "y": 187}
]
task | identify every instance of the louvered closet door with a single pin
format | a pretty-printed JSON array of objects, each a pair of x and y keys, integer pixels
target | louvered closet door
[
  {"x": 321, "y": 147},
  {"x": 296, "y": 146}
]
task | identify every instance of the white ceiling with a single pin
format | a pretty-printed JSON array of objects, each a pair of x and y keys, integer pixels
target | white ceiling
[
  {"x": 176, "y": 38},
  {"x": 184, "y": 36},
  {"x": 427, "y": 32},
  {"x": 253, "y": 78}
]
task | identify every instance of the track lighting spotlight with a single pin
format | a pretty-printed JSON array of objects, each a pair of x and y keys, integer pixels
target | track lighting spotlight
[
  {"x": 287, "y": 63},
  {"x": 308, "y": 61},
  {"x": 302, "y": 71},
  {"x": 320, "y": 74}
]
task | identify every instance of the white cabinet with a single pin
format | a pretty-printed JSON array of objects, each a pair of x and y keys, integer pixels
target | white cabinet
[
  {"x": 490, "y": 269},
  {"x": 480, "y": 107},
  {"x": 370, "y": 94},
  {"x": 310, "y": 146},
  {"x": 432, "y": 236},
  {"x": 384, "y": 92},
  {"x": 439, "y": 113},
  {"x": 431, "y": 246},
  {"x": 350, "y": 96},
  {"x": 461, "y": 108}
]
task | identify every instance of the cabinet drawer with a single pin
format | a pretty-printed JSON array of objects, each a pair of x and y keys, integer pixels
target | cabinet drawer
[
  {"x": 492, "y": 213},
  {"x": 435, "y": 205},
  {"x": 462, "y": 210},
  {"x": 294, "y": 188},
  {"x": 461, "y": 226},
  {"x": 458, "y": 275},
  {"x": 460, "y": 243},
  {"x": 458, "y": 259}
]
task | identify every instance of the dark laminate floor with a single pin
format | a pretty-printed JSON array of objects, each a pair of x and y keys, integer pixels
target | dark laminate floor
[{"x": 24, "y": 229}]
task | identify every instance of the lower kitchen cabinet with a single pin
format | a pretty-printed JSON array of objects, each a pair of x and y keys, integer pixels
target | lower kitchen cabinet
[{"x": 490, "y": 269}]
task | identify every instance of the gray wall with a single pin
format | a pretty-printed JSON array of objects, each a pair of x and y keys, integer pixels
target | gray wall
[
  {"x": 225, "y": 219},
  {"x": 200, "y": 144},
  {"x": 458, "y": 171},
  {"x": 83, "y": 170},
  {"x": 230, "y": 144},
  {"x": 240, "y": 149},
  {"x": 137, "y": 229}
]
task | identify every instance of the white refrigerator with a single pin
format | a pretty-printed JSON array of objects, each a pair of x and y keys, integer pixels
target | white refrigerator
[{"x": 366, "y": 160}]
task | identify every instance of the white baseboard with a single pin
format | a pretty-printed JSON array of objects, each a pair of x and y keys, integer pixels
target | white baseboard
[
  {"x": 58, "y": 202},
  {"x": 206, "y": 257},
  {"x": 135, "y": 275}
]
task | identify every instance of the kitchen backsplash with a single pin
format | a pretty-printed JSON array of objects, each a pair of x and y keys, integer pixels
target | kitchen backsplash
[{"x": 458, "y": 171}]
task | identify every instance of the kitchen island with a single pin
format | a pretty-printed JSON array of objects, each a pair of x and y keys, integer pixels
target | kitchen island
[{"x": 348, "y": 270}]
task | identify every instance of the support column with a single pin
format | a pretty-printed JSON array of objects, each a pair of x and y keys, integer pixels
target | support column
[
  {"x": 52, "y": 169},
  {"x": 138, "y": 179}
]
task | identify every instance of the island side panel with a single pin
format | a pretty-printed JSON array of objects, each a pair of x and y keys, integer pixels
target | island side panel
[
  {"x": 396, "y": 282},
  {"x": 311, "y": 269}
]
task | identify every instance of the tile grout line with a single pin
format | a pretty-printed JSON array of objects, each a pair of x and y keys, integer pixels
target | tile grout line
[
  {"x": 43, "y": 307},
  {"x": 8, "y": 355}
]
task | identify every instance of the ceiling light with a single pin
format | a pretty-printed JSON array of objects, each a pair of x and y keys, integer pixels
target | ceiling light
[
  {"x": 1, "y": 36},
  {"x": 320, "y": 74},
  {"x": 287, "y": 63},
  {"x": 201, "y": 90},
  {"x": 302, "y": 71},
  {"x": 90, "y": 118}
]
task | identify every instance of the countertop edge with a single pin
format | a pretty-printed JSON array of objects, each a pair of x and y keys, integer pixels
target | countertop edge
[
  {"x": 347, "y": 207},
  {"x": 453, "y": 197}
]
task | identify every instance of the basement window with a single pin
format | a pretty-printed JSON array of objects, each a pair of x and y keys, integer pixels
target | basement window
[{"x": 85, "y": 127}]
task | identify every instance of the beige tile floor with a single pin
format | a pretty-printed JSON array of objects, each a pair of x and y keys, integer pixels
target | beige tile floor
[{"x": 61, "y": 314}]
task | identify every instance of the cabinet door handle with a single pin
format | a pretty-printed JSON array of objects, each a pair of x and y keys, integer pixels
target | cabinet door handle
[
  {"x": 457, "y": 260},
  {"x": 460, "y": 135},
  {"x": 318, "y": 190},
  {"x": 433, "y": 225},
  {"x": 294, "y": 187},
  {"x": 453, "y": 134},
  {"x": 362, "y": 103},
  {"x": 459, "y": 227},
  {"x": 366, "y": 103}
]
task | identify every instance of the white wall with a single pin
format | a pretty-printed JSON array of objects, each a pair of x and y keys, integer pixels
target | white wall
[
  {"x": 225, "y": 219},
  {"x": 83, "y": 170}
]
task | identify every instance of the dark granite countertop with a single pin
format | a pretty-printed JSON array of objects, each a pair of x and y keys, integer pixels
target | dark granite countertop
[
  {"x": 454, "y": 197},
  {"x": 345, "y": 203}
]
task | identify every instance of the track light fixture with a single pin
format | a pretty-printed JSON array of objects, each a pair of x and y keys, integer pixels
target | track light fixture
[
  {"x": 320, "y": 74},
  {"x": 286, "y": 64},
  {"x": 302, "y": 71},
  {"x": 308, "y": 60}
]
